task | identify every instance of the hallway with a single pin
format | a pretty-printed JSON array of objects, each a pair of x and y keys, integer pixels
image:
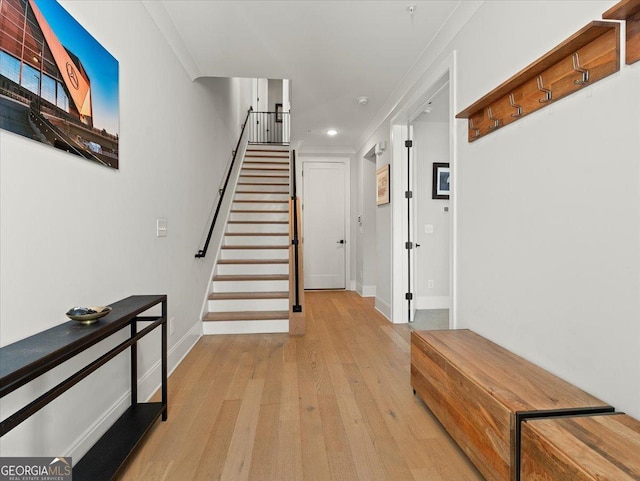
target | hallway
[{"x": 334, "y": 404}]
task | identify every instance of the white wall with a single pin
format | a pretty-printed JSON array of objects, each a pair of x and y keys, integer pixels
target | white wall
[
  {"x": 376, "y": 244},
  {"x": 275, "y": 93},
  {"x": 549, "y": 207},
  {"x": 431, "y": 144},
  {"x": 75, "y": 233},
  {"x": 366, "y": 228}
]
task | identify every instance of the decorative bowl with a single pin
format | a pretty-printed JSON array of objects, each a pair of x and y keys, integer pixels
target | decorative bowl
[{"x": 87, "y": 315}]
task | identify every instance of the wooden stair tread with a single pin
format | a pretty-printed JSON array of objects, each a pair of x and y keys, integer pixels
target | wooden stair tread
[
  {"x": 261, "y": 167},
  {"x": 252, "y": 201},
  {"x": 252, "y": 277},
  {"x": 248, "y": 295},
  {"x": 284, "y": 246},
  {"x": 258, "y": 222},
  {"x": 258, "y": 162},
  {"x": 253, "y": 261},
  {"x": 246, "y": 316},
  {"x": 262, "y": 192},
  {"x": 257, "y": 234},
  {"x": 262, "y": 176},
  {"x": 266, "y": 211},
  {"x": 263, "y": 183},
  {"x": 263, "y": 156}
]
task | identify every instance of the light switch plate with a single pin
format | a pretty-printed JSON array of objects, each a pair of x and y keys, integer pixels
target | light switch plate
[
  {"x": 428, "y": 229},
  {"x": 161, "y": 227}
]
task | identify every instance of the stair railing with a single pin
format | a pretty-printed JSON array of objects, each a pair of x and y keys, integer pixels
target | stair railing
[
  {"x": 270, "y": 128},
  {"x": 295, "y": 241},
  {"x": 221, "y": 192}
]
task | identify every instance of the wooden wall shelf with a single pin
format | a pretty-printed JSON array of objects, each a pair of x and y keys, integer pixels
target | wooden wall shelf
[
  {"x": 628, "y": 10},
  {"x": 589, "y": 55}
]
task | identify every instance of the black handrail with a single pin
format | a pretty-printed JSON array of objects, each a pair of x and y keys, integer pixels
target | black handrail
[
  {"x": 297, "y": 307},
  {"x": 203, "y": 252}
]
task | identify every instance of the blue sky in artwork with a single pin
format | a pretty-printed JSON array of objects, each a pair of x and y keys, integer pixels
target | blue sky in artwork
[{"x": 100, "y": 65}]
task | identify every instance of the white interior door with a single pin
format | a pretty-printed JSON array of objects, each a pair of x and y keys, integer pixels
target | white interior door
[{"x": 324, "y": 225}]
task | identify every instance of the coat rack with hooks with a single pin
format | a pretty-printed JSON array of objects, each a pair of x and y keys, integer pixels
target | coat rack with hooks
[
  {"x": 589, "y": 55},
  {"x": 628, "y": 10}
]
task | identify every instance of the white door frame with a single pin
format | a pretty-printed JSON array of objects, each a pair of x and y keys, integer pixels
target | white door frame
[
  {"x": 347, "y": 206},
  {"x": 399, "y": 131}
]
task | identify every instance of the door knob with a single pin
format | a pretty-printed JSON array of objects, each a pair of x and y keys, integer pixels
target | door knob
[{"x": 341, "y": 241}]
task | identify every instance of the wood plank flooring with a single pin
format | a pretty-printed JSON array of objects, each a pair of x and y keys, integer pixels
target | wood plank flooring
[{"x": 336, "y": 404}]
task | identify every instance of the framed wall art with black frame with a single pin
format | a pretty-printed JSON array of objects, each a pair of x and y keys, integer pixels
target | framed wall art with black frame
[{"x": 441, "y": 180}]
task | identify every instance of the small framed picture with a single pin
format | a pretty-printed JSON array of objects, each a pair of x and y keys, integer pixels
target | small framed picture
[
  {"x": 441, "y": 181},
  {"x": 279, "y": 113},
  {"x": 382, "y": 181}
]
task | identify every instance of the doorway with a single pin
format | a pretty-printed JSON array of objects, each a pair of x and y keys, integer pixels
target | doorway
[
  {"x": 431, "y": 217},
  {"x": 412, "y": 224},
  {"x": 325, "y": 224}
]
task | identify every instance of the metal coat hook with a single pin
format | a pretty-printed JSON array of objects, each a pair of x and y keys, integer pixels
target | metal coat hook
[
  {"x": 512, "y": 102},
  {"x": 541, "y": 88},
  {"x": 474, "y": 128},
  {"x": 496, "y": 122},
  {"x": 579, "y": 69}
]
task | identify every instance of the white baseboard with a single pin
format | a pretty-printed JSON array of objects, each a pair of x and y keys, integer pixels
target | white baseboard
[
  {"x": 383, "y": 308},
  {"x": 433, "y": 302},
  {"x": 368, "y": 291},
  {"x": 245, "y": 327},
  {"x": 148, "y": 384}
]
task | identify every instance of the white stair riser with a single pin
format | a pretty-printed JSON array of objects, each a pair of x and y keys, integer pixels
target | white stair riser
[
  {"x": 282, "y": 182},
  {"x": 251, "y": 269},
  {"x": 271, "y": 240},
  {"x": 266, "y": 151},
  {"x": 272, "y": 173},
  {"x": 266, "y": 165},
  {"x": 245, "y": 327},
  {"x": 254, "y": 253},
  {"x": 262, "y": 197},
  {"x": 260, "y": 206},
  {"x": 272, "y": 228},
  {"x": 235, "y": 305},
  {"x": 263, "y": 216},
  {"x": 265, "y": 187},
  {"x": 250, "y": 286},
  {"x": 253, "y": 154}
]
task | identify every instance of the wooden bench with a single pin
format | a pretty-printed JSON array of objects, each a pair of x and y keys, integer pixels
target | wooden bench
[
  {"x": 481, "y": 392},
  {"x": 586, "y": 448}
]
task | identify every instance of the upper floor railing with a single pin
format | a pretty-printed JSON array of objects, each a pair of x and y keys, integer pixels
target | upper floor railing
[{"x": 270, "y": 128}]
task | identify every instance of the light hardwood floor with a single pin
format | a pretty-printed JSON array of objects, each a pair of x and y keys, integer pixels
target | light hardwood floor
[{"x": 336, "y": 404}]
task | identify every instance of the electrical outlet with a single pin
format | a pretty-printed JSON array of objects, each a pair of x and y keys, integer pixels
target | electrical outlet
[
  {"x": 430, "y": 283},
  {"x": 172, "y": 326}
]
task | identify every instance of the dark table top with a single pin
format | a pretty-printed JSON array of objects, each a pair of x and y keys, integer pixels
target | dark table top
[{"x": 38, "y": 353}]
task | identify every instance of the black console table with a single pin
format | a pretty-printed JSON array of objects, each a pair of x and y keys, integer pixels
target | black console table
[{"x": 25, "y": 360}]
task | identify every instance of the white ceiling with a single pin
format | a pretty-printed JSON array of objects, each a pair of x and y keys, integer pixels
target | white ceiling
[{"x": 332, "y": 51}]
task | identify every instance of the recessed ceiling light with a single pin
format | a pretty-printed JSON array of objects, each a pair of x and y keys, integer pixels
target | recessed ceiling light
[
  {"x": 332, "y": 132},
  {"x": 363, "y": 100}
]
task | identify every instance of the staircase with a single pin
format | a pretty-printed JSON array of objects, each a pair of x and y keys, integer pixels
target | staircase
[{"x": 250, "y": 286}]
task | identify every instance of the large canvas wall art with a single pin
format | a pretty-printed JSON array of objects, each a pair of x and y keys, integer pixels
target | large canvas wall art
[{"x": 58, "y": 85}]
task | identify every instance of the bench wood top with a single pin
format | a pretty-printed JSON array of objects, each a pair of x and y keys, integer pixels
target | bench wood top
[
  {"x": 582, "y": 448},
  {"x": 517, "y": 384}
]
